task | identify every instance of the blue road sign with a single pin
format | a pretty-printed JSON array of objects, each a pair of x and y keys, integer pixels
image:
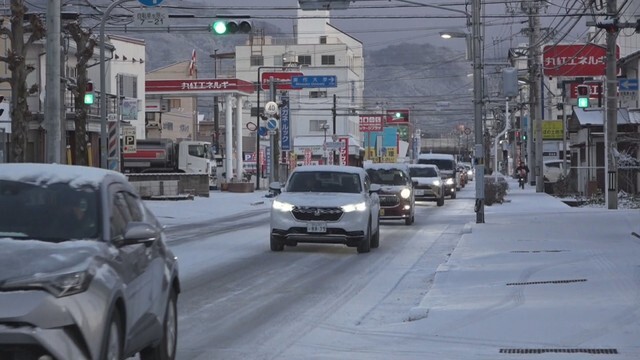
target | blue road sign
[
  {"x": 272, "y": 124},
  {"x": 625, "y": 84},
  {"x": 262, "y": 131},
  {"x": 150, "y": 2},
  {"x": 315, "y": 81}
]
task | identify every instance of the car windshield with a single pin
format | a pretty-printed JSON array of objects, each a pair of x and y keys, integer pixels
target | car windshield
[
  {"x": 54, "y": 213},
  {"x": 423, "y": 172},
  {"x": 442, "y": 164},
  {"x": 388, "y": 176},
  {"x": 324, "y": 181}
]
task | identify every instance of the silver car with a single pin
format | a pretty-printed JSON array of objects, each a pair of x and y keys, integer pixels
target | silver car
[
  {"x": 326, "y": 204},
  {"x": 84, "y": 269}
]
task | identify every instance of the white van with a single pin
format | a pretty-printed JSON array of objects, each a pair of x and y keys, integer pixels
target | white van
[{"x": 447, "y": 165}]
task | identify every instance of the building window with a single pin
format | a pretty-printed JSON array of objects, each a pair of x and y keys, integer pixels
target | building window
[
  {"x": 277, "y": 60},
  {"x": 167, "y": 126},
  {"x": 328, "y": 60},
  {"x": 175, "y": 104},
  {"x": 128, "y": 85},
  {"x": 257, "y": 60},
  {"x": 304, "y": 59},
  {"x": 323, "y": 39},
  {"x": 317, "y": 94},
  {"x": 316, "y": 125}
]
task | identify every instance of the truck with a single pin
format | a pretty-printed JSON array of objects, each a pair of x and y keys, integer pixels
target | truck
[{"x": 167, "y": 156}]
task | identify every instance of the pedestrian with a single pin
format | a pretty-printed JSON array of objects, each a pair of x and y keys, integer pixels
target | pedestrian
[{"x": 522, "y": 172}]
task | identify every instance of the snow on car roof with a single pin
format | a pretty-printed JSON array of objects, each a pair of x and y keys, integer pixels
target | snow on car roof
[
  {"x": 384, "y": 166},
  {"x": 436, "y": 156},
  {"x": 334, "y": 168},
  {"x": 423, "y": 166},
  {"x": 55, "y": 173}
]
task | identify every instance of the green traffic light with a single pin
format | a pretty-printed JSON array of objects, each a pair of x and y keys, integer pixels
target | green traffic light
[
  {"x": 219, "y": 27},
  {"x": 583, "y": 102},
  {"x": 88, "y": 98}
]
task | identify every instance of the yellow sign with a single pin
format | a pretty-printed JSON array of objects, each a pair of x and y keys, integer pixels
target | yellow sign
[{"x": 552, "y": 130}]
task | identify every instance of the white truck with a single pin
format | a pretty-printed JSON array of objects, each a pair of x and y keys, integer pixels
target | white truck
[{"x": 167, "y": 156}]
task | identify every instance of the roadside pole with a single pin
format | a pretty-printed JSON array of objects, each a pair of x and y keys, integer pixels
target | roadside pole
[{"x": 54, "y": 125}]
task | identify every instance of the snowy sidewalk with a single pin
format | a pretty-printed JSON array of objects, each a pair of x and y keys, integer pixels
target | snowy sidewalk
[{"x": 541, "y": 275}]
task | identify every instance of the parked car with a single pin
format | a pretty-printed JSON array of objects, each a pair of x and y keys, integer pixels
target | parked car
[
  {"x": 429, "y": 185},
  {"x": 85, "y": 272},
  {"x": 448, "y": 170},
  {"x": 326, "y": 204},
  {"x": 397, "y": 201}
]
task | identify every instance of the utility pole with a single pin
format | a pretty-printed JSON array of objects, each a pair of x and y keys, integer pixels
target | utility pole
[
  {"x": 534, "y": 128},
  {"x": 54, "y": 125},
  {"x": 333, "y": 117},
  {"x": 477, "y": 109},
  {"x": 611, "y": 129}
]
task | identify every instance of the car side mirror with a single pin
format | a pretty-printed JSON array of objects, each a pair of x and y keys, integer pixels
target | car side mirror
[
  {"x": 275, "y": 188},
  {"x": 138, "y": 232},
  {"x": 374, "y": 188},
  {"x": 415, "y": 183}
]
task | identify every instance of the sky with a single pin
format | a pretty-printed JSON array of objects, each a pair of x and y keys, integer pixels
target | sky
[{"x": 538, "y": 275}]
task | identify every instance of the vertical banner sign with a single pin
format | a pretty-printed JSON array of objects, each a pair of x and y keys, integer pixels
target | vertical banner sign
[
  {"x": 292, "y": 161},
  {"x": 261, "y": 159},
  {"x": 267, "y": 151},
  {"x": 344, "y": 151},
  {"x": 307, "y": 156},
  {"x": 285, "y": 133}
]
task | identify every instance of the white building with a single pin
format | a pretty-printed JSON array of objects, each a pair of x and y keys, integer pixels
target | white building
[{"x": 317, "y": 48}]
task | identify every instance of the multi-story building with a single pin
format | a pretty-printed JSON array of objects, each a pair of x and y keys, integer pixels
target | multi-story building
[{"x": 316, "y": 49}]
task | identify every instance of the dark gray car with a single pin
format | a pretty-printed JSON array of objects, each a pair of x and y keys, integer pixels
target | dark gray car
[{"x": 85, "y": 272}]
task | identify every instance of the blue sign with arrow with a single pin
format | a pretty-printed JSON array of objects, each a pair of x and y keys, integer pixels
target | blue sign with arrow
[
  {"x": 150, "y": 2},
  {"x": 315, "y": 81},
  {"x": 625, "y": 84}
]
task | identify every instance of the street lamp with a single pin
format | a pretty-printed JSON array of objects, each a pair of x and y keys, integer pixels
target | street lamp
[{"x": 473, "y": 47}]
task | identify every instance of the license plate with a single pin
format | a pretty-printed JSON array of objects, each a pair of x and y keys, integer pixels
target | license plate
[
  {"x": 317, "y": 227},
  {"x": 419, "y": 192}
]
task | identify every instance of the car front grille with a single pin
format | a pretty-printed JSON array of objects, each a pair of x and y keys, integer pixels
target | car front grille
[
  {"x": 317, "y": 213},
  {"x": 423, "y": 187},
  {"x": 389, "y": 200}
]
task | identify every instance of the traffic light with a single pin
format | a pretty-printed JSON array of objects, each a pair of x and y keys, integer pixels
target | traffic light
[
  {"x": 227, "y": 27},
  {"x": 583, "y": 96},
  {"x": 89, "y": 95},
  {"x": 524, "y": 136}
]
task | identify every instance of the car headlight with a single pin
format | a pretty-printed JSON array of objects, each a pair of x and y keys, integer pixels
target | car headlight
[
  {"x": 437, "y": 183},
  {"x": 56, "y": 285},
  {"x": 405, "y": 193},
  {"x": 469, "y": 172},
  {"x": 354, "y": 207},
  {"x": 449, "y": 181},
  {"x": 282, "y": 206}
]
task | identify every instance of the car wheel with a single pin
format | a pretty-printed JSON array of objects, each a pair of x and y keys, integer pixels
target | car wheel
[
  {"x": 112, "y": 344},
  {"x": 375, "y": 239},
  {"x": 166, "y": 349},
  {"x": 440, "y": 201},
  {"x": 409, "y": 220},
  {"x": 365, "y": 244},
  {"x": 276, "y": 244}
]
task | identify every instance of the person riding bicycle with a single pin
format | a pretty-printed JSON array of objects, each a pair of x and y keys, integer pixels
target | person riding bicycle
[{"x": 522, "y": 171}]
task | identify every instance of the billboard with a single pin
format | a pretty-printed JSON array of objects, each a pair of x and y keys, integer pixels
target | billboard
[
  {"x": 369, "y": 123},
  {"x": 575, "y": 60}
]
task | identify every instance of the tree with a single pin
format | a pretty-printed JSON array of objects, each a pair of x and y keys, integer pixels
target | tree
[
  {"x": 16, "y": 60},
  {"x": 85, "y": 45}
]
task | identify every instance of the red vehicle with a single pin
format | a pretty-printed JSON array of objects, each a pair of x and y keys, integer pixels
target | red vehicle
[{"x": 397, "y": 198}]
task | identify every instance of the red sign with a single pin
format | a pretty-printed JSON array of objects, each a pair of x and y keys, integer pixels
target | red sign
[
  {"x": 283, "y": 80},
  {"x": 593, "y": 90},
  {"x": 344, "y": 151},
  {"x": 369, "y": 123},
  {"x": 191, "y": 86},
  {"x": 575, "y": 60},
  {"x": 395, "y": 117}
]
